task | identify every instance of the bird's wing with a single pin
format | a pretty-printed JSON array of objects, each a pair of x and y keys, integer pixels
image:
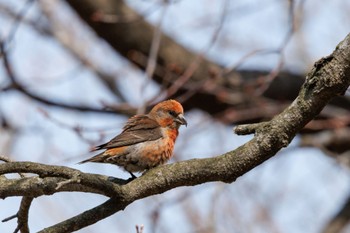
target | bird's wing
[{"x": 139, "y": 128}]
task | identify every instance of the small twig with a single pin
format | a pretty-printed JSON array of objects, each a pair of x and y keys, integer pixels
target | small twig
[
  {"x": 193, "y": 66},
  {"x": 9, "y": 218},
  {"x": 185, "y": 77},
  {"x": 15, "y": 85},
  {"x": 5, "y": 158},
  {"x": 152, "y": 61},
  {"x": 215, "y": 35},
  {"x": 264, "y": 82},
  {"x": 102, "y": 17},
  {"x": 23, "y": 214},
  {"x": 139, "y": 229},
  {"x": 16, "y": 24},
  {"x": 233, "y": 67},
  {"x": 8, "y": 160},
  {"x": 156, "y": 212},
  {"x": 248, "y": 128}
]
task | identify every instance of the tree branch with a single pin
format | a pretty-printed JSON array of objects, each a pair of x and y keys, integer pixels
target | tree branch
[
  {"x": 15, "y": 85},
  {"x": 22, "y": 215},
  {"x": 50, "y": 178},
  {"x": 88, "y": 217}
]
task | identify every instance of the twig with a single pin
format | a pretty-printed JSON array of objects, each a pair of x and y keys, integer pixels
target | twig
[
  {"x": 103, "y": 17},
  {"x": 248, "y": 129},
  {"x": 17, "y": 86},
  {"x": 152, "y": 60},
  {"x": 16, "y": 24},
  {"x": 191, "y": 69},
  {"x": 8, "y": 160},
  {"x": 5, "y": 158},
  {"x": 9, "y": 218},
  {"x": 139, "y": 229},
  {"x": 65, "y": 36},
  {"x": 263, "y": 83},
  {"x": 22, "y": 215}
]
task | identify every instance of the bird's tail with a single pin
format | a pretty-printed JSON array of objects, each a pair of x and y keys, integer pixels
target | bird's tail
[
  {"x": 96, "y": 159},
  {"x": 100, "y": 147}
]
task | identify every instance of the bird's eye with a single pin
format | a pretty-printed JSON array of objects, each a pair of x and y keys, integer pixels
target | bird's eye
[{"x": 173, "y": 113}]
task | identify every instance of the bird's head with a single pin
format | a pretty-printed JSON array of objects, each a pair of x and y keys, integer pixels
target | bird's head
[{"x": 169, "y": 113}]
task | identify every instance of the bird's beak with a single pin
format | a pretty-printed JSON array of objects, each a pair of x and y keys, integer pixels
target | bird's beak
[{"x": 181, "y": 119}]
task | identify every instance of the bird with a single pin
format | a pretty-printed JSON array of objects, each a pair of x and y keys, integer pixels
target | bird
[{"x": 146, "y": 141}]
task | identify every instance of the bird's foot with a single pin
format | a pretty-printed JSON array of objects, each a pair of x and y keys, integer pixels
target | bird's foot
[{"x": 133, "y": 177}]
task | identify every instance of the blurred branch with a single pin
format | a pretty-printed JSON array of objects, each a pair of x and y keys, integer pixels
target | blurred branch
[
  {"x": 263, "y": 82},
  {"x": 15, "y": 85},
  {"x": 139, "y": 229},
  {"x": 9, "y": 12},
  {"x": 338, "y": 223},
  {"x": 335, "y": 143},
  {"x": 191, "y": 69},
  {"x": 17, "y": 21},
  {"x": 330, "y": 77},
  {"x": 66, "y": 37}
]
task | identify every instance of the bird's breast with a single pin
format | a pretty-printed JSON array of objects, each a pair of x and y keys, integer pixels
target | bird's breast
[
  {"x": 170, "y": 134},
  {"x": 153, "y": 153}
]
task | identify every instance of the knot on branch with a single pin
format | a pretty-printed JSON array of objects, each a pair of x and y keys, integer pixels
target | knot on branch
[
  {"x": 74, "y": 179},
  {"x": 248, "y": 128},
  {"x": 269, "y": 134}
]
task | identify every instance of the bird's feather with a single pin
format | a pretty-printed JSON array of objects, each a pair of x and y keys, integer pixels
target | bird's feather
[{"x": 139, "y": 128}]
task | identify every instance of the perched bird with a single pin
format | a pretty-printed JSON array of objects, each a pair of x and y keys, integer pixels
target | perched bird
[{"x": 146, "y": 140}]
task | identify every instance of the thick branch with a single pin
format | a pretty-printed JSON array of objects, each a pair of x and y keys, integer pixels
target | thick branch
[
  {"x": 36, "y": 186},
  {"x": 15, "y": 85},
  {"x": 88, "y": 217},
  {"x": 49, "y": 180}
]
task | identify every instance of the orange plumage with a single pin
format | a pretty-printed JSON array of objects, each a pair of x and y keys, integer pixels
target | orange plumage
[{"x": 146, "y": 140}]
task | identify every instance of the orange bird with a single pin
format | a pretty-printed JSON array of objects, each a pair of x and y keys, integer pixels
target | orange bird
[{"x": 146, "y": 140}]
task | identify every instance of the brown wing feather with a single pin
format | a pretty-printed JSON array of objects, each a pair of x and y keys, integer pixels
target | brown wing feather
[{"x": 139, "y": 128}]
